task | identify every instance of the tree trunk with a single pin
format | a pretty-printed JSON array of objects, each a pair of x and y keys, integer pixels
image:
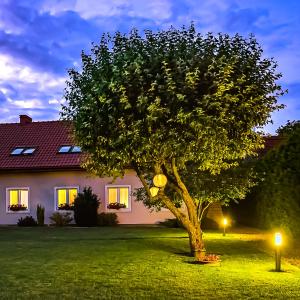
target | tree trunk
[{"x": 196, "y": 242}]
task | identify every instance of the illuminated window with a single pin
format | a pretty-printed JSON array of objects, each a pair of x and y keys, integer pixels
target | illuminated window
[
  {"x": 23, "y": 151},
  {"x": 17, "y": 199},
  {"x": 118, "y": 197},
  {"x": 69, "y": 149},
  {"x": 64, "y": 197}
]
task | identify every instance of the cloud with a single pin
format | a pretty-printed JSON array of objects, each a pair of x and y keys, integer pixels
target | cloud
[
  {"x": 155, "y": 9},
  {"x": 41, "y": 39}
]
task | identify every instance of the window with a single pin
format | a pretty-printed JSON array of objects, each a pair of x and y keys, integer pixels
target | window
[
  {"x": 28, "y": 151},
  {"x": 118, "y": 197},
  {"x": 64, "y": 197},
  {"x": 17, "y": 200},
  {"x": 69, "y": 149},
  {"x": 17, "y": 151},
  {"x": 23, "y": 151},
  {"x": 76, "y": 149},
  {"x": 64, "y": 149}
]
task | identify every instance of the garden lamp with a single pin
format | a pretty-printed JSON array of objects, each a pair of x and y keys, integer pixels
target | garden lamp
[
  {"x": 224, "y": 226},
  {"x": 278, "y": 243}
]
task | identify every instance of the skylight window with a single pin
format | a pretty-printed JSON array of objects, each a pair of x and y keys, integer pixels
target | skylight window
[
  {"x": 23, "y": 151},
  {"x": 69, "y": 149},
  {"x": 28, "y": 151},
  {"x": 64, "y": 149},
  {"x": 17, "y": 151},
  {"x": 76, "y": 149}
]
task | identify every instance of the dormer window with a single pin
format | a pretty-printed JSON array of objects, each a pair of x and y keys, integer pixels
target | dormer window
[
  {"x": 23, "y": 151},
  {"x": 69, "y": 149}
]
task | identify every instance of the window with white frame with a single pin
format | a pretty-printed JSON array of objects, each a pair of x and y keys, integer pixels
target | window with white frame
[
  {"x": 118, "y": 197},
  {"x": 64, "y": 197},
  {"x": 17, "y": 199}
]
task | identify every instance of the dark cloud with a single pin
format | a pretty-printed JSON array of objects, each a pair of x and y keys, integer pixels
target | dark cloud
[{"x": 47, "y": 43}]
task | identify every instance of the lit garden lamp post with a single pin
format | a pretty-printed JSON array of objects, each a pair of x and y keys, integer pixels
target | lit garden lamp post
[
  {"x": 224, "y": 226},
  {"x": 278, "y": 243}
]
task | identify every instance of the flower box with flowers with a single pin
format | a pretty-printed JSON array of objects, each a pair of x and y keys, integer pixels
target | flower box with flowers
[
  {"x": 17, "y": 207},
  {"x": 116, "y": 205},
  {"x": 65, "y": 206}
]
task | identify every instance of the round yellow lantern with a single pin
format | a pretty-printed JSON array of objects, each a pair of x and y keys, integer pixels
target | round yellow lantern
[
  {"x": 160, "y": 180},
  {"x": 154, "y": 191}
]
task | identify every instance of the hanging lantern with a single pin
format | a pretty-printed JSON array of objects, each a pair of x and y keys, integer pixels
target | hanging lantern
[
  {"x": 154, "y": 191},
  {"x": 160, "y": 180}
]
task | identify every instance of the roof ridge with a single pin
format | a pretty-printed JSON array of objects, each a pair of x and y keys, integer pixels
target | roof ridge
[{"x": 35, "y": 122}]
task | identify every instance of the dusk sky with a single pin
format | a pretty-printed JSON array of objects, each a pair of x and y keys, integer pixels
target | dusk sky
[{"x": 41, "y": 39}]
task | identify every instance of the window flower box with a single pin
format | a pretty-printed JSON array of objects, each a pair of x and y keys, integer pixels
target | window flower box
[
  {"x": 65, "y": 206},
  {"x": 116, "y": 205},
  {"x": 17, "y": 207}
]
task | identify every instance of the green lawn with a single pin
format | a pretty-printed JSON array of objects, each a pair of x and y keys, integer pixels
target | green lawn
[{"x": 137, "y": 263}]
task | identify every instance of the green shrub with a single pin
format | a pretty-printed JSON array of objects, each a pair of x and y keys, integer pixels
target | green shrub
[
  {"x": 107, "y": 219},
  {"x": 86, "y": 208},
  {"x": 275, "y": 202},
  {"x": 40, "y": 215},
  {"x": 171, "y": 223},
  {"x": 27, "y": 221},
  {"x": 208, "y": 223},
  {"x": 61, "y": 219}
]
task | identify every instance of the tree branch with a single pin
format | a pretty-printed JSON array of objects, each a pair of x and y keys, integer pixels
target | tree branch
[{"x": 188, "y": 200}]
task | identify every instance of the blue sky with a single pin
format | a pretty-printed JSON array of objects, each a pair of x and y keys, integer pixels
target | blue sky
[{"x": 41, "y": 39}]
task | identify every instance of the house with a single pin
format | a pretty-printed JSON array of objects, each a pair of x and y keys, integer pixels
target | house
[{"x": 40, "y": 164}]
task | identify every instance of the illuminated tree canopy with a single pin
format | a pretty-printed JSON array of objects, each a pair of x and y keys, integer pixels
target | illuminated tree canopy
[{"x": 174, "y": 102}]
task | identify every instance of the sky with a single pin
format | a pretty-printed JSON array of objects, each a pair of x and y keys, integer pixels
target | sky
[{"x": 41, "y": 39}]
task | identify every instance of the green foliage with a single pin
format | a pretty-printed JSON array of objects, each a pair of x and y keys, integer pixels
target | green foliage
[
  {"x": 174, "y": 102},
  {"x": 107, "y": 219},
  {"x": 61, "y": 219},
  {"x": 86, "y": 208},
  {"x": 28, "y": 221},
  {"x": 173, "y": 93},
  {"x": 171, "y": 223},
  {"x": 288, "y": 128},
  {"x": 40, "y": 215},
  {"x": 275, "y": 202},
  {"x": 209, "y": 224}
]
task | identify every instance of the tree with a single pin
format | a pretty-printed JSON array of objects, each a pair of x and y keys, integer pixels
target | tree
[{"x": 171, "y": 102}]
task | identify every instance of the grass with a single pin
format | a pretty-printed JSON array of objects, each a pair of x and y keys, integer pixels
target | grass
[{"x": 137, "y": 263}]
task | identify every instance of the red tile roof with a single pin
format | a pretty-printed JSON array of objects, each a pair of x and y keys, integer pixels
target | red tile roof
[
  {"x": 47, "y": 137},
  {"x": 271, "y": 142}
]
